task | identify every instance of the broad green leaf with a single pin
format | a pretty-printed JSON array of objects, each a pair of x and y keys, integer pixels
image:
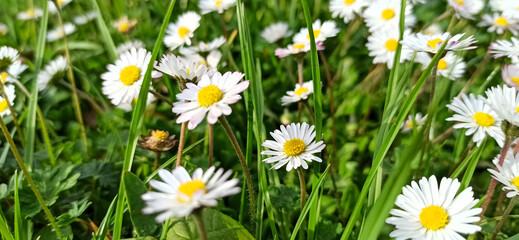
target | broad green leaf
[{"x": 144, "y": 225}]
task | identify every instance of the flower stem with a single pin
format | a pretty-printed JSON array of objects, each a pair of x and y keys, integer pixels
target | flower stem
[
  {"x": 211, "y": 143},
  {"x": 300, "y": 70},
  {"x": 161, "y": 97},
  {"x": 13, "y": 114},
  {"x": 200, "y": 226},
  {"x": 29, "y": 178},
  {"x": 181, "y": 142},
  {"x": 224, "y": 26},
  {"x": 511, "y": 205},
  {"x": 156, "y": 164},
  {"x": 330, "y": 82},
  {"x": 302, "y": 184},
  {"x": 243, "y": 162}
]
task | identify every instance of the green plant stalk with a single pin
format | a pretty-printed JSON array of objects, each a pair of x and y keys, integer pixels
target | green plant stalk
[
  {"x": 104, "y": 32},
  {"x": 475, "y": 151},
  {"x": 471, "y": 168},
  {"x": 13, "y": 114},
  {"x": 199, "y": 222},
  {"x": 18, "y": 233},
  {"x": 509, "y": 208},
  {"x": 211, "y": 144},
  {"x": 4, "y": 228},
  {"x": 181, "y": 142},
  {"x": 302, "y": 185},
  {"x": 29, "y": 178}
]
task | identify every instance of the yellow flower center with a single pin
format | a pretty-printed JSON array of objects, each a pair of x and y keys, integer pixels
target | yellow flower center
[
  {"x": 130, "y": 75},
  {"x": 388, "y": 14},
  {"x": 2, "y": 32},
  {"x": 349, "y": 2},
  {"x": 30, "y": 13},
  {"x": 294, "y": 147},
  {"x": 442, "y": 64},
  {"x": 316, "y": 34},
  {"x": 517, "y": 109},
  {"x": 409, "y": 124},
  {"x": 515, "y": 182},
  {"x": 391, "y": 44},
  {"x": 60, "y": 2},
  {"x": 209, "y": 95},
  {"x": 3, "y": 76},
  {"x": 218, "y": 3},
  {"x": 190, "y": 188},
  {"x": 3, "y": 105},
  {"x": 501, "y": 21},
  {"x": 515, "y": 80},
  {"x": 182, "y": 31},
  {"x": 460, "y": 2},
  {"x": 124, "y": 27},
  {"x": 161, "y": 135},
  {"x": 298, "y": 46},
  {"x": 434, "y": 43},
  {"x": 434, "y": 217},
  {"x": 301, "y": 91},
  {"x": 484, "y": 119}
]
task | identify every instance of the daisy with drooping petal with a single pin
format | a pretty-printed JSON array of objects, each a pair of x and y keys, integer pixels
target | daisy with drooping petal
[
  {"x": 294, "y": 146},
  {"x": 8, "y": 56},
  {"x": 124, "y": 25},
  {"x": 503, "y": 48},
  {"x": 413, "y": 122},
  {"x": 3, "y": 29},
  {"x": 13, "y": 72},
  {"x": 123, "y": 80},
  {"x": 382, "y": 45},
  {"x": 321, "y": 32},
  {"x": 499, "y": 23},
  {"x": 30, "y": 14},
  {"x": 181, "y": 32},
  {"x": 59, "y": 32},
  {"x": 85, "y": 18},
  {"x": 510, "y": 74},
  {"x": 297, "y": 48},
  {"x": 450, "y": 66},
  {"x": 4, "y": 105},
  {"x": 207, "y": 6},
  {"x": 508, "y": 174},
  {"x": 432, "y": 43},
  {"x": 429, "y": 211},
  {"x": 505, "y": 102},
  {"x": 346, "y": 9},
  {"x": 184, "y": 72},
  {"x": 300, "y": 93},
  {"x": 124, "y": 47},
  {"x": 52, "y": 71},
  {"x": 477, "y": 117},
  {"x": 275, "y": 32},
  {"x": 211, "y": 96},
  {"x": 179, "y": 194},
  {"x": 60, "y": 4},
  {"x": 466, "y": 8},
  {"x": 386, "y": 14}
]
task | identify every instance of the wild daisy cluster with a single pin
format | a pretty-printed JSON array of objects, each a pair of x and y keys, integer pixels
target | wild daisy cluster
[{"x": 11, "y": 67}]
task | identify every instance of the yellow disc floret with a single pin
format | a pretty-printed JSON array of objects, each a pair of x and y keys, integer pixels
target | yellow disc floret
[
  {"x": 349, "y": 2},
  {"x": 3, "y": 105},
  {"x": 461, "y": 2},
  {"x": 209, "y": 95},
  {"x": 301, "y": 91},
  {"x": 434, "y": 217},
  {"x": 124, "y": 27},
  {"x": 182, "y": 31},
  {"x": 515, "y": 182},
  {"x": 484, "y": 119},
  {"x": 442, "y": 64},
  {"x": 501, "y": 21},
  {"x": 434, "y": 43},
  {"x": 387, "y": 14},
  {"x": 391, "y": 44},
  {"x": 130, "y": 75},
  {"x": 189, "y": 188},
  {"x": 515, "y": 80},
  {"x": 218, "y": 3},
  {"x": 316, "y": 34},
  {"x": 161, "y": 135},
  {"x": 294, "y": 147},
  {"x": 3, "y": 77}
]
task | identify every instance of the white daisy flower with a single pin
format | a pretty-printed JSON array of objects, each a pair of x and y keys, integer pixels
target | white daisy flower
[
  {"x": 3, "y": 29},
  {"x": 432, "y": 43},
  {"x": 61, "y": 3},
  {"x": 511, "y": 9},
  {"x": 30, "y": 14},
  {"x": 510, "y": 74},
  {"x": 207, "y": 6},
  {"x": 13, "y": 72},
  {"x": 128, "y": 106},
  {"x": 211, "y": 61},
  {"x": 466, "y": 8},
  {"x": 4, "y": 105},
  {"x": 124, "y": 25},
  {"x": 346, "y": 9},
  {"x": 477, "y": 117},
  {"x": 297, "y": 48},
  {"x": 125, "y": 47},
  {"x": 413, "y": 121},
  {"x": 505, "y": 102},
  {"x": 123, "y": 80},
  {"x": 203, "y": 47},
  {"x": 433, "y": 29},
  {"x": 180, "y": 194},
  {"x": 211, "y": 96},
  {"x": 450, "y": 66},
  {"x": 386, "y": 14},
  {"x": 59, "y": 32},
  {"x": 52, "y": 71},
  {"x": 382, "y": 45},
  {"x": 300, "y": 93},
  {"x": 85, "y": 18},
  {"x": 497, "y": 5},
  {"x": 181, "y": 32},
  {"x": 181, "y": 70},
  {"x": 503, "y": 48},
  {"x": 293, "y": 146},
  {"x": 429, "y": 211},
  {"x": 499, "y": 23},
  {"x": 275, "y": 32},
  {"x": 321, "y": 32},
  {"x": 508, "y": 174},
  {"x": 8, "y": 56}
]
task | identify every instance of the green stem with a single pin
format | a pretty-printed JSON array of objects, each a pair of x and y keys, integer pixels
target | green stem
[
  {"x": 211, "y": 143},
  {"x": 161, "y": 97},
  {"x": 200, "y": 226},
  {"x": 302, "y": 185},
  {"x": 181, "y": 141},
  {"x": 511, "y": 205}
]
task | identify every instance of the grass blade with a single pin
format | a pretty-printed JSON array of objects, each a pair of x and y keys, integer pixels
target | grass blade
[
  {"x": 105, "y": 33},
  {"x": 4, "y": 228}
]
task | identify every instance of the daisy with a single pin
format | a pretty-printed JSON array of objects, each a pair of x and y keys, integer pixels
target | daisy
[
  {"x": 60, "y": 4},
  {"x": 386, "y": 14},
  {"x": 4, "y": 105},
  {"x": 13, "y": 72},
  {"x": 413, "y": 121},
  {"x": 85, "y": 18},
  {"x": 275, "y": 32},
  {"x": 503, "y": 48},
  {"x": 466, "y": 8},
  {"x": 122, "y": 48},
  {"x": 297, "y": 48},
  {"x": 8, "y": 56},
  {"x": 211, "y": 60},
  {"x": 505, "y": 102},
  {"x": 180, "y": 194},
  {"x": 30, "y": 14},
  {"x": 52, "y": 71},
  {"x": 382, "y": 45},
  {"x": 207, "y": 6},
  {"x": 183, "y": 71},
  {"x": 3, "y": 29},
  {"x": 511, "y": 9},
  {"x": 346, "y": 9},
  {"x": 299, "y": 93},
  {"x": 499, "y": 23},
  {"x": 321, "y": 32},
  {"x": 508, "y": 174},
  {"x": 450, "y": 66},
  {"x": 477, "y": 117},
  {"x": 59, "y": 32},
  {"x": 204, "y": 48},
  {"x": 211, "y": 96},
  {"x": 429, "y": 211},
  {"x": 123, "y": 80},
  {"x": 433, "y": 29},
  {"x": 293, "y": 146},
  {"x": 128, "y": 106},
  {"x": 181, "y": 32},
  {"x": 432, "y": 43},
  {"x": 497, "y": 5},
  {"x": 124, "y": 25},
  {"x": 510, "y": 74}
]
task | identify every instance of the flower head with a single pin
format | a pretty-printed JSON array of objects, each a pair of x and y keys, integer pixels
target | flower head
[
  {"x": 4, "y": 105},
  {"x": 499, "y": 23},
  {"x": 432, "y": 43},
  {"x": 413, "y": 122},
  {"x": 505, "y": 102},
  {"x": 503, "y": 48},
  {"x": 52, "y": 71},
  {"x": 386, "y": 14},
  {"x": 275, "y": 32},
  {"x": 53, "y": 6},
  {"x": 157, "y": 141},
  {"x": 182, "y": 70},
  {"x": 207, "y": 6},
  {"x": 346, "y": 9},
  {"x": 59, "y": 32},
  {"x": 124, "y": 25},
  {"x": 382, "y": 45},
  {"x": 3, "y": 29},
  {"x": 203, "y": 47},
  {"x": 181, "y": 32},
  {"x": 300, "y": 93},
  {"x": 510, "y": 74},
  {"x": 450, "y": 66},
  {"x": 508, "y": 174},
  {"x": 85, "y": 17},
  {"x": 30, "y": 14},
  {"x": 466, "y": 8},
  {"x": 13, "y": 72},
  {"x": 211, "y": 60},
  {"x": 321, "y": 32},
  {"x": 8, "y": 56},
  {"x": 297, "y": 49}
]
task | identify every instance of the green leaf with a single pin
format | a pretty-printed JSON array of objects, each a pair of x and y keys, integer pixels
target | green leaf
[
  {"x": 144, "y": 225},
  {"x": 285, "y": 198}
]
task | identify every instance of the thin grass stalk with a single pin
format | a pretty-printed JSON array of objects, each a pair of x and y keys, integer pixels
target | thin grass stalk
[
  {"x": 302, "y": 185},
  {"x": 4, "y": 228},
  {"x": 181, "y": 143},
  {"x": 29, "y": 178},
  {"x": 18, "y": 222},
  {"x": 13, "y": 114},
  {"x": 161, "y": 97},
  {"x": 509, "y": 208},
  {"x": 211, "y": 144},
  {"x": 104, "y": 32},
  {"x": 300, "y": 80}
]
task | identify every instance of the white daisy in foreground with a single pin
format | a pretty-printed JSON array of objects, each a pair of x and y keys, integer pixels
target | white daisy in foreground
[
  {"x": 275, "y": 32},
  {"x": 450, "y": 66},
  {"x": 207, "y": 6},
  {"x": 181, "y": 32},
  {"x": 59, "y": 32},
  {"x": 183, "y": 71},
  {"x": 477, "y": 117},
  {"x": 55, "y": 69},
  {"x": 505, "y": 102},
  {"x": 30, "y": 14},
  {"x": 293, "y": 146},
  {"x": 432, "y": 43},
  {"x": 499, "y": 23},
  {"x": 299, "y": 93},
  {"x": 204, "y": 48},
  {"x": 128, "y": 106},
  {"x": 346, "y": 9},
  {"x": 3, "y": 29},
  {"x": 124, "y": 25},
  {"x": 382, "y": 45},
  {"x": 466, "y": 8},
  {"x": 4, "y": 105},
  {"x": 60, "y": 4},
  {"x": 386, "y": 14},
  {"x": 510, "y": 74},
  {"x": 8, "y": 56},
  {"x": 508, "y": 174},
  {"x": 211, "y": 96},
  {"x": 321, "y": 32},
  {"x": 124, "y": 47},
  {"x": 413, "y": 122},
  {"x": 13, "y": 72},
  {"x": 429, "y": 211},
  {"x": 85, "y": 17},
  {"x": 180, "y": 194},
  {"x": 503, "y": 48},
  {"x": 297, "y": 48},
  {"x": 123, "y": 80}
]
